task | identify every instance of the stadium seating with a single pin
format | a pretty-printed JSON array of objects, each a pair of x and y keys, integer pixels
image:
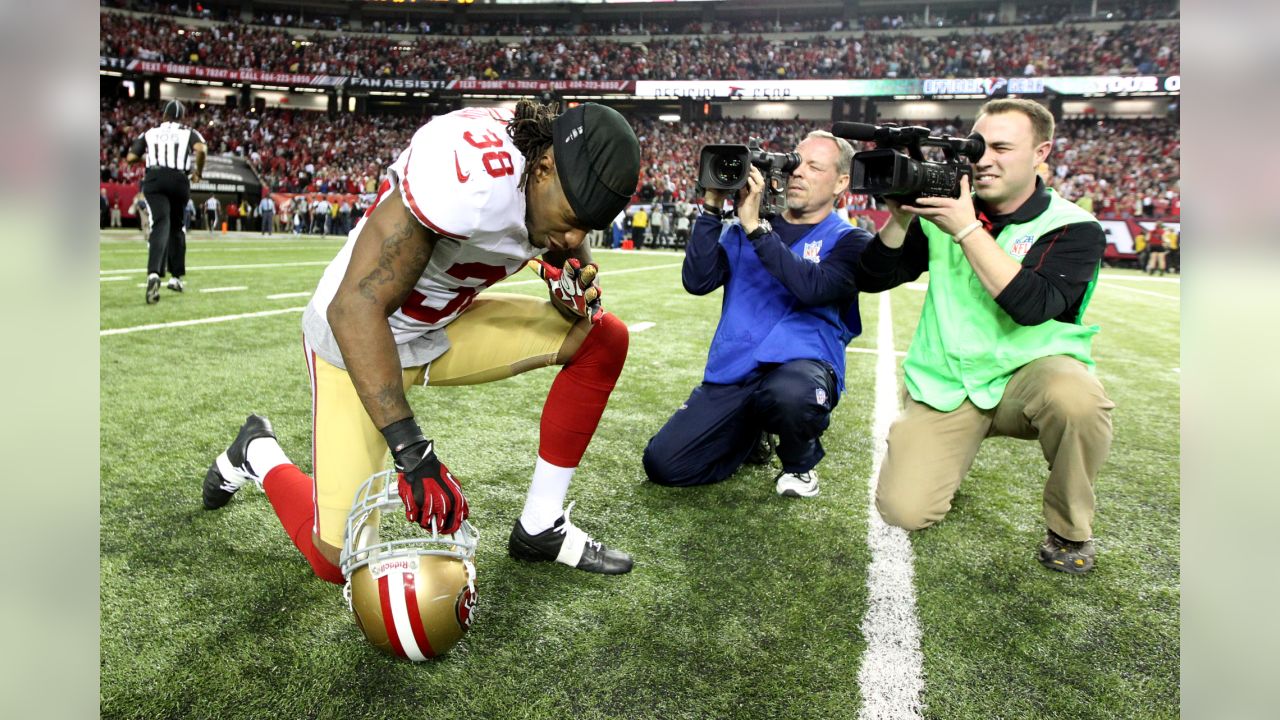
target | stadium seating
[
  {"x": 1128, "y": 167},
  {"x": 1044, "y": 50}
]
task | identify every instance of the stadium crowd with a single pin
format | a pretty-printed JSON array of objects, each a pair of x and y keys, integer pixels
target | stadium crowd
[
  {"x": 1125, "y": 167},
  {"x": 658, "y": 22},
  {"x": 1067, "y": 50},
  {"x": 293, "y": 150}
]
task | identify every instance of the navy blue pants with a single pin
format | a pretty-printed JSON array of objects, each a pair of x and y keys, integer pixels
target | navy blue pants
[{"x": 710, "y": 436}]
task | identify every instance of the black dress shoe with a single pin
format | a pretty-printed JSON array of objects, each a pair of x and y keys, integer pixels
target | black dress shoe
[{"x": 565, "y": 543}]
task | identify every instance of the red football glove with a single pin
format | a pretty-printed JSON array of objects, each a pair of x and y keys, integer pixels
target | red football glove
[
  {"x": 573, "y": 287},
  {"x": 430, "y": 493}
]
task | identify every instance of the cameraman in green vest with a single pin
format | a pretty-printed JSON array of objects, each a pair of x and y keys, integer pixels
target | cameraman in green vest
[{"x": 1000, "y": 348}]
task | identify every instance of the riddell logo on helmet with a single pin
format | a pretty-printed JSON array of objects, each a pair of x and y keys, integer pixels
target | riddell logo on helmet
[
  {"x": 573, "y": 135},
  {"x": 401, "y": 565}
]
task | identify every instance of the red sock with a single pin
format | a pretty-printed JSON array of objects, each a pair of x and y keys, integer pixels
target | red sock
[
  {"x": 580, "y": 392},
  {"x": 289, "y": 490}
]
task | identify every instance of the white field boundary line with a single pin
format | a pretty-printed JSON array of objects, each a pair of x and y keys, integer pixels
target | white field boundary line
[
  {"x": 230, "y": 288},
  {"x": 264, "y": 313},
  {"x": 311, "y": 263},
  {"x": 1140, "y": 278},
  {"x": 873, "y": 351},
  {"x": 247, "y": 266},
  {"x": 640, "y": 326},
  {"x": 891, "y": 679},
  {"x": 1162, "y": 296},
  {"x": 197, "y": 321}
]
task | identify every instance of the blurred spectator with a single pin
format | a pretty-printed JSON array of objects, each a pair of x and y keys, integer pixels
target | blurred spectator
[
  {"x": 657, "y": 23},
  {"x": 266, "y": 215},
  {"x": 1045, "y": 50},
  {"x": 1114, "y": 162}
]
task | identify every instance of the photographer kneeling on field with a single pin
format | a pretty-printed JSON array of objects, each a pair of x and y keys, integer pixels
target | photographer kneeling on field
[
  {"x": 1000, "y": 348},
  {"x": 776, "y": 363}
]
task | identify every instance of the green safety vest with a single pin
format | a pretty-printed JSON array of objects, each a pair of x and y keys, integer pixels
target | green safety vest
[{"x": 966, "y": 345}]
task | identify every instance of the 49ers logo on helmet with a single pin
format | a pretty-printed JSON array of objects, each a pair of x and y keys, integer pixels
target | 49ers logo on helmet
[{"x": 465, "y": 606}]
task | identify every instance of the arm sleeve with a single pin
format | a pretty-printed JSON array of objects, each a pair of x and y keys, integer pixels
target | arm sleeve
[
  {"x": 814, "y": 283},
  {"x": 196, "y": 137},
  {"x": 139, "y": 146},
  {"x": 1054, "y": 275},
  {"x": 706, "y": 266},
  {"x": 881, "y": 268}
]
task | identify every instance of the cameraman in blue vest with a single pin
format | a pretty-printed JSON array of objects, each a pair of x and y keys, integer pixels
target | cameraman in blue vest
[{"x": 790, "y": 306}]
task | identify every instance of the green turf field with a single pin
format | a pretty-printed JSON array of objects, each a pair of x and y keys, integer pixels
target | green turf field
[{"x": 742, "y": 604}]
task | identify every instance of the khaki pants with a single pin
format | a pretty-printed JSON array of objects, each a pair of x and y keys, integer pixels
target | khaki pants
[
  {"x": 499, "y": 336},
  {"x": 1054, "y": 399}
]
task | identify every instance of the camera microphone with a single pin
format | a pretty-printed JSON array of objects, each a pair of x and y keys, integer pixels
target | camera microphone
[{"x": 854, "y": 131}]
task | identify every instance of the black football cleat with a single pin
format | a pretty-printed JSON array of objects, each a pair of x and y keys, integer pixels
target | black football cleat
[
  {"x": 231, "y": 470},
  {"x": 153, "y": 289},
  {"x": 566, "y": 544}
]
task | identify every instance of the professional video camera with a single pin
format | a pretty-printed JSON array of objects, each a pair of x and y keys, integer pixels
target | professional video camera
[
  {"x": 888, "y": 172},
  {"x": 725, "y": 167}
]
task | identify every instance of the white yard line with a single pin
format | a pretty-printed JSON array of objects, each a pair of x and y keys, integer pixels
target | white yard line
[
  {"x": 1141, "y": 278},
  {"x": 143, "y": 271},
  {"x": 1162, "y": 296},
  {"x": 892, "y": 675},
  {"x": 873, "y": 351},
  {"x": 227, "y": 318},
  {"x": 113, "y": 277},
  {"x": 640, "y": 326},
  {"x": 232, "y": 288},
  {"x": 277, "y": 296},
  {"x": 197, "y": 321}
]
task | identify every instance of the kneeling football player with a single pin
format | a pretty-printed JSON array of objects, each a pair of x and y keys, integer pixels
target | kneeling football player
[{"x": 477, "y": 195}]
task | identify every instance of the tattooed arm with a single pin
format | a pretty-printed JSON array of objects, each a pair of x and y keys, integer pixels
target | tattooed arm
[{"x": 389, "y": 255}]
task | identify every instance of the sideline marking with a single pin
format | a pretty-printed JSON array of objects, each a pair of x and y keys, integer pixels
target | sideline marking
[
  {"x": 1162, "y": 296},
  {"x": 227, "y": 318},
  {"x": 1140, "y": 278},
  {"x": 277, "y": 296},
  {"x": 197, "y": 321},
  {"x": 143, "y": 271},
  {"x": 641, "y": 326},
  {"x": 873, "y": 351},
  {"x": 891, "y": 679},
  {"x": 232, "y": 288}
]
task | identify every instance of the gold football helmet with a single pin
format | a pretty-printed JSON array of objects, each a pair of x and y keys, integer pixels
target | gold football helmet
[{"x": 412, "y": 597}]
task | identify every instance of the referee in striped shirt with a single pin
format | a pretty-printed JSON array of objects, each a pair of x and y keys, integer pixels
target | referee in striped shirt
[{"x": 168, "y": 149}]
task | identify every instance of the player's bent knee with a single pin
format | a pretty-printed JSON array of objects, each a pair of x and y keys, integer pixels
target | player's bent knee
[{"x": 611, "y": 332}]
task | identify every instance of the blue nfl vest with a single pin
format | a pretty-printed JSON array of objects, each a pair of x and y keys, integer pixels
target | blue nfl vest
[{"x": 761, "y": 322}]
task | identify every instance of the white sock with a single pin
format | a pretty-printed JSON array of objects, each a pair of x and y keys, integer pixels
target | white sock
[
  {"x": 264, "y": 455},
  {"x": 545, "y": 502}
]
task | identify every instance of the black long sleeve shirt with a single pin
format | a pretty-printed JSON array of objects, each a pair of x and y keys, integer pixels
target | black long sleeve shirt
[
  {"x": 706, "y": 266},
  {"x": 1050, "y": 285}
]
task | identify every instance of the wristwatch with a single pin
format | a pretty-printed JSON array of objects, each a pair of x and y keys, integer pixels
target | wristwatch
[{"x": 763, "y": 229}]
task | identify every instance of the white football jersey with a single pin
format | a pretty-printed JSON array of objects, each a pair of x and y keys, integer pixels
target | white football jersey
[{"x": 459, "y": 178}]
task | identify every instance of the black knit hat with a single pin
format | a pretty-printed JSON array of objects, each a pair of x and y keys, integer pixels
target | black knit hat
[{"x": 598, "y": 161}]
